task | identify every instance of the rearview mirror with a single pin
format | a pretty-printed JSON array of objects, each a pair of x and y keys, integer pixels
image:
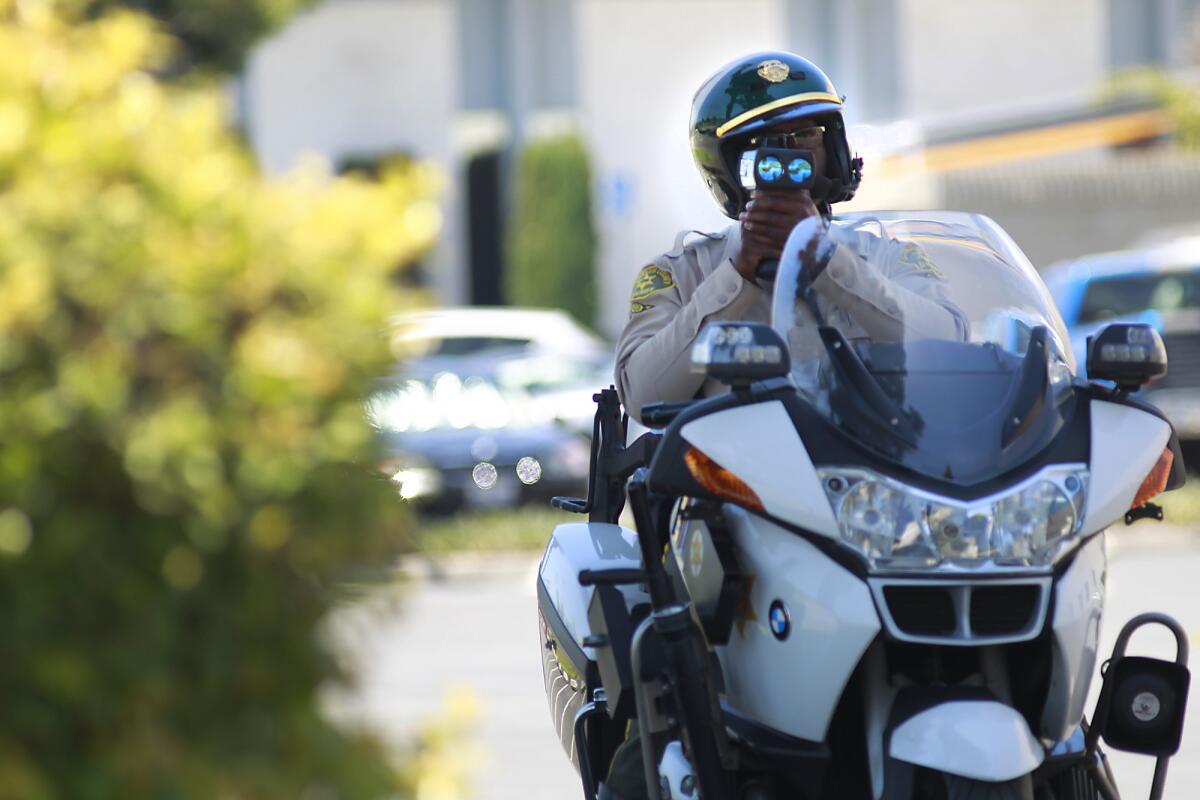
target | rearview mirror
[
  {"x": 740, "y": 353},
  {"x": 1128, "y": 354}
]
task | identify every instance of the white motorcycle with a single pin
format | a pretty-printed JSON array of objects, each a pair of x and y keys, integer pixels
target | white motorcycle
[{"x": 875, "y": 568}]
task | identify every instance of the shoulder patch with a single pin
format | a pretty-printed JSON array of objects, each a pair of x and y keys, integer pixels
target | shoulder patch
[
  {"x": 650, "y": 281},
  {"x": 636, "y": 308},
  {"x": 916, "y": 256}
]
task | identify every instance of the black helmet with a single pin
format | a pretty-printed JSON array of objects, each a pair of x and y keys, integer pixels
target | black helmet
[{"x": 752, "y": 93}]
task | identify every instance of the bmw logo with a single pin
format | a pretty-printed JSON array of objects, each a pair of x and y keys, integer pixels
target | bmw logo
[{"x": 780, "y": 620}]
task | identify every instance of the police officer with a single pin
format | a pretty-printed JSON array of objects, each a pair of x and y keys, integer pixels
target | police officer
[
  {"x": 875, "y": 289},
  {"x": 713, "y": 276}
]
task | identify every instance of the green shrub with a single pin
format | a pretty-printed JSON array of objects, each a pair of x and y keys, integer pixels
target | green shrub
[
  {"x": 213, "y": 34},
  {"x": 1180, "y": 100},
  {"x": 183, "y": 349},
  {"x": 552, "y": 241}
]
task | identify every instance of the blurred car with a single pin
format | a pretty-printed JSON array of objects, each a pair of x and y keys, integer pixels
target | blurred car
[
  {"x": 489, "y": 407},
  {"x": 440, "y": 337},
  {"x": 452, "y": 443},
  {"x": 1158, "y": 285},
  {"x": 542, "y": 354}
]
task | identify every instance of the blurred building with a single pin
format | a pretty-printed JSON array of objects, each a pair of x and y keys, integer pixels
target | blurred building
[{"x": 463, "y": 82}]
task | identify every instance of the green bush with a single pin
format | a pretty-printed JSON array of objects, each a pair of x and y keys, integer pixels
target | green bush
[
  {"x": 1180, "y": 100},
  {"x": 183, "y": 349},
  {"x": 212, "y": 34},
  {"x": 552, "y": 241}
]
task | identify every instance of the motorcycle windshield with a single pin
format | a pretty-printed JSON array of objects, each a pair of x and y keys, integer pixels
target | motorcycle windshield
[{"x": 927, "y": 337}]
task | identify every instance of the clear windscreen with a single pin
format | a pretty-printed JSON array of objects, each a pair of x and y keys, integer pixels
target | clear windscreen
[{"x": 927, "y": 337}]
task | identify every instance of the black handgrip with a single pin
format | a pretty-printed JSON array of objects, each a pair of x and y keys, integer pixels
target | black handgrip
[
  {"x": 659, "y": 415},
  {"x": 576, "y": 505},
  {"x": 767, "y": 269},
  {"x": 611, "y": 577}
]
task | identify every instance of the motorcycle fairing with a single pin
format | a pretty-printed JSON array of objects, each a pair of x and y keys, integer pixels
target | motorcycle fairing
[
  {"x": 957, "y": 368},
  {"x": 964, "y": 592},
  {"x": 758, "y": 443},
  {"x": 793, "y": 685},
  {"x": 1078, "y": 609},
  {"x": 1126, "y": 442},
  {"x": 984, "y": 740},
  {"x": 576, "y": 546},
  {"x": 568, "y": 665},
  {"x": 831, "y": 447}
]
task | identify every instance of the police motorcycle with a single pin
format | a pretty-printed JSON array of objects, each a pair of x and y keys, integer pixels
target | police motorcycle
[{"x": 875, "y": 568}]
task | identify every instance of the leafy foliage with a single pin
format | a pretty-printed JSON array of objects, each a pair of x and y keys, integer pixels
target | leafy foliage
[
  {"x": 183, "y": 349},
  {"x": 213, "y": 33},
  {"x": 552, "y": 240},
  {"x": 1180, "y": 100}
]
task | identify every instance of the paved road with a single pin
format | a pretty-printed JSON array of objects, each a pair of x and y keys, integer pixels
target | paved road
[
  {"x": 481, "y": 634},
  {"x": 1157, "y": 575}
]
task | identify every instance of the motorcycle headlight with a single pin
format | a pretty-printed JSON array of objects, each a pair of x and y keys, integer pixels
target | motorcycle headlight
[
  {"x": 898, "y": 527},
  {"x": 1034, "y": 524},
  {"x": 883, "y": 522}
]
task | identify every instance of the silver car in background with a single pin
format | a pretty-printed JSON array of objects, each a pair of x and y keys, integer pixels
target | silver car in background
[
  {"x": 488, "y": 407},
  {"x": 1159, "y": 286}
]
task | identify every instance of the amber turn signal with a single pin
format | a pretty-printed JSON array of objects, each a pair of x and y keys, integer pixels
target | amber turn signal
[
  {"x": 1156, "y": 479},
  {"x": 720, "y": 481}
]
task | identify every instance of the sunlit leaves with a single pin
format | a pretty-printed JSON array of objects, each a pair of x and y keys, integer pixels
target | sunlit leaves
[
  {"x": 1180, "y": 99},
  {"x": 183, "y": 351},
  {"x": 552, "y": 244}
]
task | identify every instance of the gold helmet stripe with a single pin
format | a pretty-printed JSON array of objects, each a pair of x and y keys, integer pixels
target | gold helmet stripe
[{"x": 774, "y": 105}]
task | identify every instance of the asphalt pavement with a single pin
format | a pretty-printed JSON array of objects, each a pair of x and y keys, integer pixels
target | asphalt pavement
[
  {"x": 1152, "y": 569},
  {"x": 472, "y": 626}
]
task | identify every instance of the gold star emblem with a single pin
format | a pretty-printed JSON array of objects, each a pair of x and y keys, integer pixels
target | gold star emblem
[
  {"x": 774, "y": 70},
  {"x": 696, "y": 553},
  {"x": 745, "y": 609}
]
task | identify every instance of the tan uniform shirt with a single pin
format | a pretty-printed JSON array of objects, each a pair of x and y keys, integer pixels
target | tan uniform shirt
[{"x": 695, "y": 282}]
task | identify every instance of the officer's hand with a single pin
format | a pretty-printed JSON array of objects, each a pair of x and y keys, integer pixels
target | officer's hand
[{"x": 766, "y": 224}]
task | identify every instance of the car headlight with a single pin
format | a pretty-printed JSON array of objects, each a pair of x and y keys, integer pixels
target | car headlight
[
  {"x": 898, "y": 527},
  {"x": 414, "y": 476}
]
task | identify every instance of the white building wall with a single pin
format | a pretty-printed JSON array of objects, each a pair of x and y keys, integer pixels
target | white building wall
[
  {"x": 354, "y": 77},
  {"x": 639, "y": 63},
  {"x": 360, "y": 76},
  {"x": 963, "y": 56}
]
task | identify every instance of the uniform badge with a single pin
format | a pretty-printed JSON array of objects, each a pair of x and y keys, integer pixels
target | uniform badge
[
  {"x": 774, "y": 70},
  {"x": 650, "y": 281},
  {"x": 744, "y": 611},
  {"x": 696, "y": 553},
  {"x": 636, "y": 308},
  {"x": 915, "y": 256}
]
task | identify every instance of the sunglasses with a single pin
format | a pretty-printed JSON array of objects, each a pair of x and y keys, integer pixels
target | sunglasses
[{"x": 806, "y": 137}]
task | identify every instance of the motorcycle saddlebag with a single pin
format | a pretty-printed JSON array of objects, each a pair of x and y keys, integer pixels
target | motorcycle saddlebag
[{"x": 568, "y": 662}]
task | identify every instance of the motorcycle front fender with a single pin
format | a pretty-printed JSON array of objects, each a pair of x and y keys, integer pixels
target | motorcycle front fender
[{"x": 984, "y": 740}]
